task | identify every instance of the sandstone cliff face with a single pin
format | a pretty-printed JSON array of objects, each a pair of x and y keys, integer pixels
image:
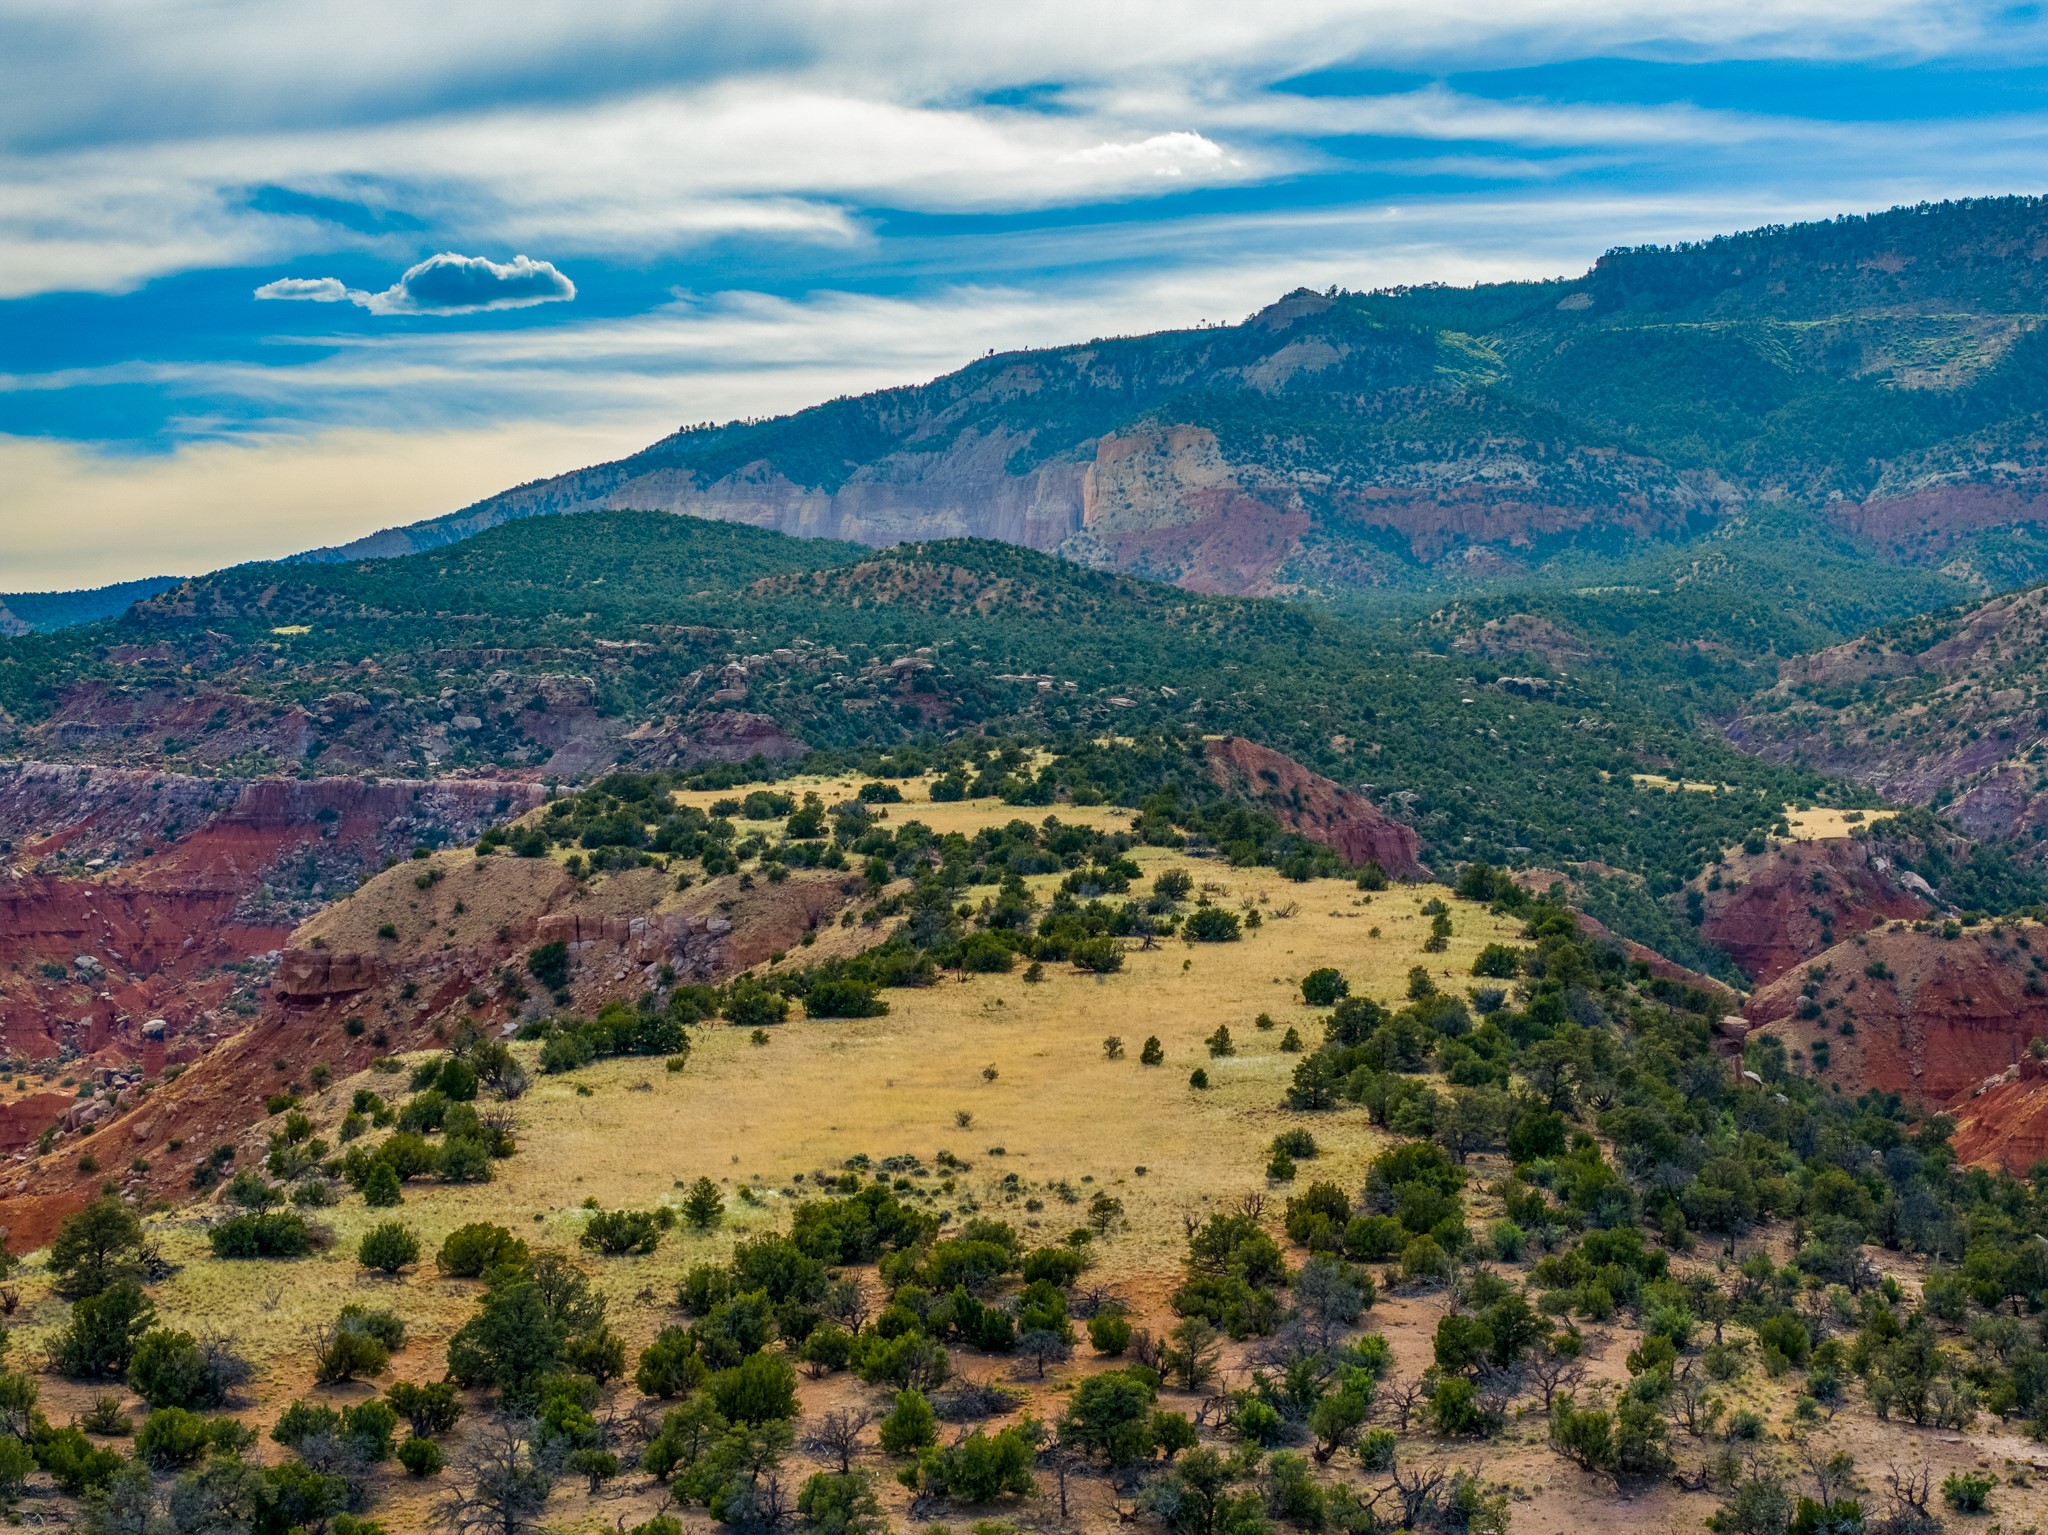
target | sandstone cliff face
[
  {"x": 1321, "y": 810},
  {"x": 1941, "y": 1016},
  {"x": 964, "y": 490},
  {"x": 1165, "y": 500}
]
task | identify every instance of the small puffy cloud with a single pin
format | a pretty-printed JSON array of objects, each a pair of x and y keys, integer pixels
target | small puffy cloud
[
  {"x": 452, "y": 284},
  {"x": 320, "y": 290},
  {"x": 443, "y": 284}
]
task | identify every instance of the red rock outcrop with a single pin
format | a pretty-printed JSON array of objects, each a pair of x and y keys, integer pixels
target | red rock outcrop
[
  {"x": 1773, "y": 910},
  {"x": 22, "y": 1120},
  {"x": 2003, "y": 1121},
  {"x": 1316, "y": 807},
  {"x": 309, "y": 974},
  {"x": 1929, "y": 1016},
  {"x": 131, "y": 890}
]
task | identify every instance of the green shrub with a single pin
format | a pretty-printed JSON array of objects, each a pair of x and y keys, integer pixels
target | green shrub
[
  {"x": 75, "y": 1463},
  {"x": 421, "y": 1457},
  {"x": 1296, "y": 1143},
  {"x": 1967, "y": 1492},
  {"x": 1376, "y": 1447},
  {"x": 755, "y": 1007},
  {"x": 982, "y": 1467},
  {"x": 843, "y": 999},
  {"x": 430, "y": 1408},
  {"x": 104, "y": 1331},
  {"x": 759, "y": 1389},
  {"x": 1109, "y": 1332},
  {"x": 618, "y": 1232},
  {"x": 549, "y": 964},
  {"x": 388, "y": 1247},
  {"x": 17, "y": 1460},
  {"x": 262, "y": 1235},
  {"x": 380, "y": 1189},
  {"x": 1322, "y": 987},
  {"x": 463, "y": 1159},
  {"x": 910, "y": 1425},
  {"x": 671, "y": 1366},
  {"x": 1498, "y": 962},
  {"x": 1211, "y": 924},
  {"x": 1097, "y": 956},
  {"x": 471, "y": 1251},
  {"x": 170, "y": 1370},
  {"x": 1374, "y": 1238},
  {"x": 172, "y": 1437}
]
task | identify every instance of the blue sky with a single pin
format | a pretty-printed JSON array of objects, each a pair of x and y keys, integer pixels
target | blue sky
[{"x": 276, "y": 274}]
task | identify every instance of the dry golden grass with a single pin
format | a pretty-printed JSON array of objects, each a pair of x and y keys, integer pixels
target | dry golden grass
[
  {"x": 467, "y": 904},
  {"x": 1812, "y": 825},
  {"x": 627, "y": 1133},
  {"x": 1824, "y": 824}
]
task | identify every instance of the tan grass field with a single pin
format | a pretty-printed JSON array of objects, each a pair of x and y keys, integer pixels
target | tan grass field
[
  {"x": 1827, "y": 823},
  {"x": 1069, "y": 1120}
]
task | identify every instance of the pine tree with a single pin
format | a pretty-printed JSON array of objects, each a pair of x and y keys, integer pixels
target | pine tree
[{"x": 705, "y": 1206}]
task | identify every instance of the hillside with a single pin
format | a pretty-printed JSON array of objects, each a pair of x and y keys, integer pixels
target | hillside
[
  {"x": 1883, "y": 371},
  {"x": 1926, "y": 1010},
  {"x": 40, "y": 612},
  {"x": 1941, "y": 710},
  {"x": 1138, "y": 1225},
  {"x": 558, "y": 647}
]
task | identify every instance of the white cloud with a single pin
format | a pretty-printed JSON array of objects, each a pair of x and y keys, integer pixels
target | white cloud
[
  {"x": 634, "y": 130},
  {"x": 443, "y": 284},
  {"x": 1167, "y": 154},
  {"x": 632, "y": 176},
  {"x": 318, "y": 290},
  {"x": 113, "y": 70}
]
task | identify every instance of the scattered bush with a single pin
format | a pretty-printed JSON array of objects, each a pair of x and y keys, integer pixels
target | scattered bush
[
  {"x": 1322, "y": 988},
  {"x": 421, "y": 1457},
  {"x": 388, "y": 1247},
  {"x": 618, "y": 1232},
  {"x": 471, "y": 1251},
  {"x": 1967, "y": 1492}
]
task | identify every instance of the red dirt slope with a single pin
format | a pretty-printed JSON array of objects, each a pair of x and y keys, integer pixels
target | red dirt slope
[
  {"x": 124, "y": 893},
  {"x": 1772, "y": 911},
  {"x": 419, "y": 990},
  {"x": 1940, "y": 1016},
  {"x": 1321, "y": 810},
  {"x": 2003, "y": 1121}
]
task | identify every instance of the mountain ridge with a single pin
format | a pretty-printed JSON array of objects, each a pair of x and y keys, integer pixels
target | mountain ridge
[{"x": 1886, "y": 370}]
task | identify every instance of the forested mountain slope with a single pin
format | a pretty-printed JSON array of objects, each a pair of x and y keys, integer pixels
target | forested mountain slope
[
  {"x": 562, "y": 646},
  {"x": 1884, "y": 372},
  {"x": 1944, "y": 709}
]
